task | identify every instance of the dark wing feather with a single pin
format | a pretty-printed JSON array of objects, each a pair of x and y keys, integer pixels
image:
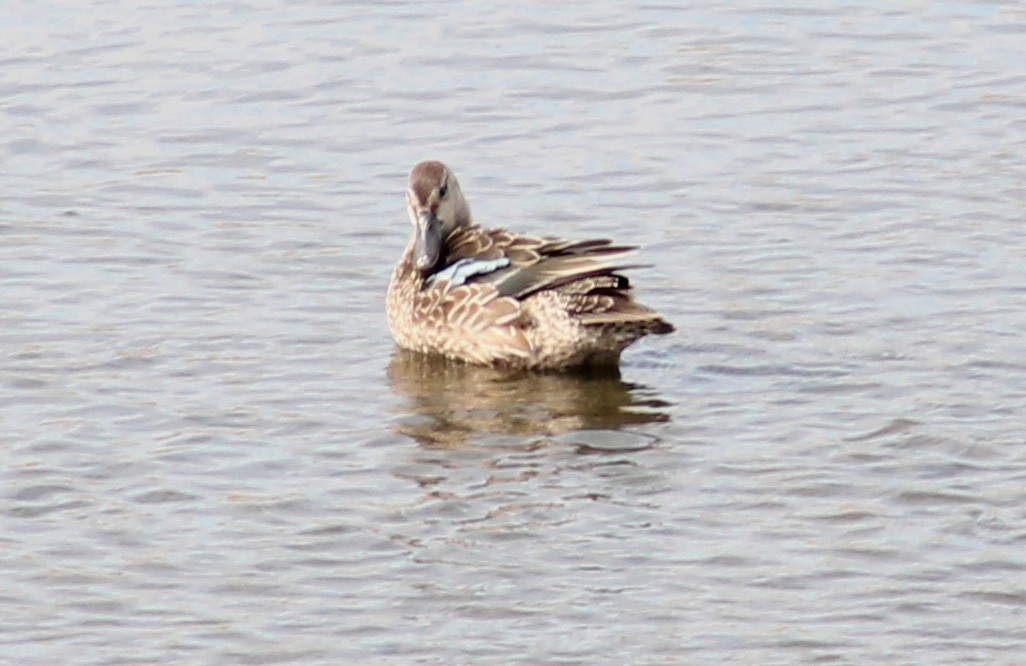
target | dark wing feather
[
  {"x": 553, "y": 273},
  {"x": 536, "y": 263}
]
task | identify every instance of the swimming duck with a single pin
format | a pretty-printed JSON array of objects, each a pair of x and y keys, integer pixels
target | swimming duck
[{"x": 494, "y": 297}]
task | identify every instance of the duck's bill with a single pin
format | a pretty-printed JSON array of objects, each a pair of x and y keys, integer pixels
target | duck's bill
[{"x": 428, "y": 249}]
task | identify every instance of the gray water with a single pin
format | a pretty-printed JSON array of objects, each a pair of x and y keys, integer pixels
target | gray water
[{"x": 211, "y": 453}]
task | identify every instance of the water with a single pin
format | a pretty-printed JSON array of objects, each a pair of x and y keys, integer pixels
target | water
[{"x": 213, "y": 454}]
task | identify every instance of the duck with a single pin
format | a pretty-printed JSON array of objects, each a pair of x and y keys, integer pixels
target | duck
[{"x": 494, "y": 297}]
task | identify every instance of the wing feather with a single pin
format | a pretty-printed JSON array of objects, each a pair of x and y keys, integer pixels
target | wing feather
[{"x": 587, "y": 273}]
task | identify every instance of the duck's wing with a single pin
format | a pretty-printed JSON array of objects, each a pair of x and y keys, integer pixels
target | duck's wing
[
  {"x": 519, "y": 265},
  {"x": 512, "y": 267}
]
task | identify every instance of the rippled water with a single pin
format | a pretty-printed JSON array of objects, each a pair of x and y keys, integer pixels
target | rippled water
[{"x": 213, "y": 454}]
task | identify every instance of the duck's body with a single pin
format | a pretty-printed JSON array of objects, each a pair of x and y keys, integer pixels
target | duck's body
[{"x": 493, "y": 297}]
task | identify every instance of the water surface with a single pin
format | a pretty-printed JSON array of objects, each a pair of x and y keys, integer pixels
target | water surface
[{"x": 212, "y": 452}]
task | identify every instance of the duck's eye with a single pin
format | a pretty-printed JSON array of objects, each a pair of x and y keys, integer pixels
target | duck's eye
[{"x": 443, "y": 190}]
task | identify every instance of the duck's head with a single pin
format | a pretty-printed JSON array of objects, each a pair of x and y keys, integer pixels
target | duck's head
[{"x": 436, "y": 206}]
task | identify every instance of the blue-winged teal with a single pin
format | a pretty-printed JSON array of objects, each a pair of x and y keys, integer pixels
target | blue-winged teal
[{"x": 493, "y": 297}]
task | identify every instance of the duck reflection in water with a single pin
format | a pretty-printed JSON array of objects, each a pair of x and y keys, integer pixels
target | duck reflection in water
[{"x": 454, "y": 404}]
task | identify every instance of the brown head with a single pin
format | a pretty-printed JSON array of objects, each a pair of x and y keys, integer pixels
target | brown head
[{"x": 435, "y": 206}]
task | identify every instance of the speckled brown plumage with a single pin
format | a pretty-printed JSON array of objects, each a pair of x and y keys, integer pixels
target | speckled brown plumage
[{"x": 493, "y": 297}]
